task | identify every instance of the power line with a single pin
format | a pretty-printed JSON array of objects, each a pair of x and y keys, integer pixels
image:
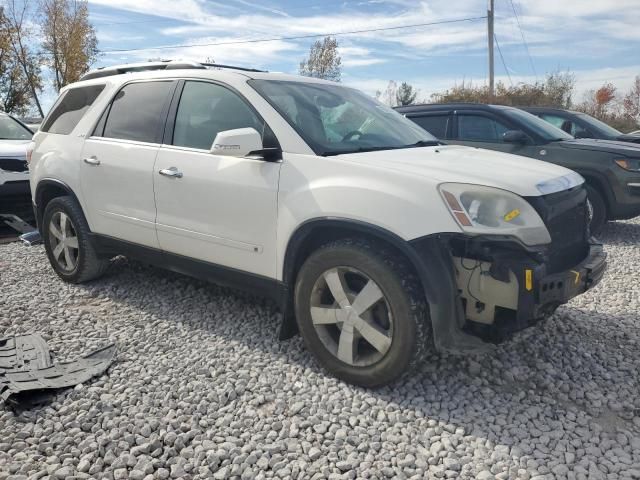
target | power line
[
  {"x": 502, "y": 58},
  {"x": 524, "y": 41},
  {"x": 298, "y": 37}
]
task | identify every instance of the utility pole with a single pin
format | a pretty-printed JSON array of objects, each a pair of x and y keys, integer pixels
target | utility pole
[{"x": 490, "y": 39}]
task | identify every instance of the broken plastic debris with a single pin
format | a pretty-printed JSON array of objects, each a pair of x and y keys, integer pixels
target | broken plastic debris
[{"x": 25, "y": 366}]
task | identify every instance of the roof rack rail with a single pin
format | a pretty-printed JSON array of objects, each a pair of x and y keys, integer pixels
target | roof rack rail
[
  {"x": 161, "y": 65},
  {"x": 220, "y": 65}
]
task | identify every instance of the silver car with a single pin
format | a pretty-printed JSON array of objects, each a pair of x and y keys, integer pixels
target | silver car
[{"x": 14, "y": 171}]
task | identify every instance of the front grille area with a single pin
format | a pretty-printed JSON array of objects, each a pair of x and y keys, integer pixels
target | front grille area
[
  {"x": 565, "y": 215},
  {"x": 14, "y": 165}
]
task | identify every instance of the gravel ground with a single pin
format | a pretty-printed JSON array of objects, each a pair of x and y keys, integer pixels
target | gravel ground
[{"x": 203, "y": 389}]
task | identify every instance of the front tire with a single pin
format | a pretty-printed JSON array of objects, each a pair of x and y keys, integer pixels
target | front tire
[
  {"x": 65, "y": 233},
  {"x": 361, "y": 312},
  {"x": 598, "y": 209}
]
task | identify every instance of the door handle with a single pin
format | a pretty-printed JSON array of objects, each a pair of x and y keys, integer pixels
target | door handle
[
  {"x": 91, "y": 160},
  {"x": 171, "y": 172}
]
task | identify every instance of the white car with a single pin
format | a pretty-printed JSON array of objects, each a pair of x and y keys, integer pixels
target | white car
[
  {"x": 15, "y": 137},
  {"x": 376, "y": 240}
]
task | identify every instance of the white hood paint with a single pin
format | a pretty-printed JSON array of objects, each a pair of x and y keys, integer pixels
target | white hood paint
[{"x": 460, "y": 164}]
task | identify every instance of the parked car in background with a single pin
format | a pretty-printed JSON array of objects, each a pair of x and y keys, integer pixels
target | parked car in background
[
  {"x": 32, "y": 122},
  {"x": 581, "y": 125},
  {"x": 14, "y": 170},
  {"x": 611, "y": 169},
  {"x": 357, "y": 222}
]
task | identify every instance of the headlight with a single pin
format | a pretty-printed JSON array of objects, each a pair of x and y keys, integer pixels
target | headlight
[
  {"x": 490, "y": 211},
  {"x": 631, "y": 164},
  {"x": 558, "y": 184}
]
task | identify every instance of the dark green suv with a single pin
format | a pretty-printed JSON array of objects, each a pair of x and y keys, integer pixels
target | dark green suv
[{"x": 611, "y": 169}]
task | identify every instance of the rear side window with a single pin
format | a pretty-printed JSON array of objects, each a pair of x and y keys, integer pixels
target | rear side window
[
  {"x": 137, "y": 112},
  {"x": 70, "y": 109},
  {"x": 436, "y": 125}
]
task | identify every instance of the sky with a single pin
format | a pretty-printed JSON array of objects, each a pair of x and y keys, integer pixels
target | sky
[{"x": 599, "y": 40}]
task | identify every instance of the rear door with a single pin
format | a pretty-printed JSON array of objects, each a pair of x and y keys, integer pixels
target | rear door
[{"x": 118, "y": 161}]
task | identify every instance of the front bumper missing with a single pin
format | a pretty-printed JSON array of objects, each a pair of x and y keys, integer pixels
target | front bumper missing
[
  {"x": 532, "y": 297},
  {"x": 496, "y": 307}
]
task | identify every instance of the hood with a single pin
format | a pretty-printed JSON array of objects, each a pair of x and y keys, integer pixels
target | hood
[
  {"x": 456, "y": 163},
  {"x": 628, "y": 137},
  {"x": 610, "y": 146},
  {"x": 14, "y": 148}
]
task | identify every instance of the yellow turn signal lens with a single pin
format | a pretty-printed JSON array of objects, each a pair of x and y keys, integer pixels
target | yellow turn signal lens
[{"x": 515, "y": 213}]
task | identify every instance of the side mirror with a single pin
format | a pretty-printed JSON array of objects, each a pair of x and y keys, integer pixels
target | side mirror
[
  {"x": 237, "y": 143},
  {"x": 514, "y": 136}
]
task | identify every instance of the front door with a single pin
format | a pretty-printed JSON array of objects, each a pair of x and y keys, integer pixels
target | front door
[
  {"x": 483, "y": 130},
  {"x": 219, "y": 209},
  {"x": 118, "y": 159}
]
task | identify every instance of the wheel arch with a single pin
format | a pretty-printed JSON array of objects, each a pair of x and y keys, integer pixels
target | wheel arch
[
  {"x": 599, "y": 183},
  {"x": 47, "y": 190},
  {"x": 315, "y": 232}
]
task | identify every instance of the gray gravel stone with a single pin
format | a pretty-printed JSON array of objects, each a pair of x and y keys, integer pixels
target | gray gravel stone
[{"x": 203, "y": 389}]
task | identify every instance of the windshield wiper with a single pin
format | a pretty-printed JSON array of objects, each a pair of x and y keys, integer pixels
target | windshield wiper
[
  {"x": 421, "y": 143},
  {"x": 425, "y": 143},
  {"x": 359, "y": 150}
]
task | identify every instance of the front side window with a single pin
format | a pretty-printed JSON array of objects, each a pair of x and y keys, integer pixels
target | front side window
[
  {"x": 436, "y": 125},
  {"x": 599, "y": 126},
  {"x": 207, "y": 109},
  {"x": 70, "y": 108},
  {"x": 137, "y": 112},
  {"x": 535, "y": 125},
  {"x": 564, "y": 124},
  {"x": 11, "y": 129},
  {"x": 478, "y": 128},
  {"x": 333, "y": 119},
  {"x": 554, "y": 120}
]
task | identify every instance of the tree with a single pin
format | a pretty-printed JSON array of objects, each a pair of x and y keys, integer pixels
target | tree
[
  {"x": 556, "y": 91},
  {"x": 14, "y": 91},
  {"x": 324, "y": 60},
  {"x": 598, "y": 102},
  {"x": 21, "y": 40},
  {"x": 406, "y": 94},
  {"x": 558, "y": 88},
  {"x": 389, "y": 96},
  {"x": 69, "y": 40},
  {"x": 631, "y": 102}
]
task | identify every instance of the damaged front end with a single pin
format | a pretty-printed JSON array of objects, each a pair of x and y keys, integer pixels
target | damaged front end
[{"x": 498, "y": 285}]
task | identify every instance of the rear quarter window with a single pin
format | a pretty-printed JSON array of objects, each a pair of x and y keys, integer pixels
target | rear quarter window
[{"x": 70, "y": 108}]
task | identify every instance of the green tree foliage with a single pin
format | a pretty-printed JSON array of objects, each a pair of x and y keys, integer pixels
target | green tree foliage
[{"x": 406, "y": 94}]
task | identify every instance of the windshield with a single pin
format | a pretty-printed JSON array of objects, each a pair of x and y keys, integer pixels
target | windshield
[
  {"x": 538, "y": 126},
  {"x": 598, "y": 125},
  {"x": 333, "y": 119},
  {"x": 11, "y": 129}
]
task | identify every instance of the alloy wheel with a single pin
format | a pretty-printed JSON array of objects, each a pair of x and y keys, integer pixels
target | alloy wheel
[
  {"x": 351, "y": 316},
  {"x": 63, "y": 241}
]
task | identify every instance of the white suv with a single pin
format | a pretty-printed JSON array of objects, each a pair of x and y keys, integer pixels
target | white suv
[{"x": 375, "y": 239}]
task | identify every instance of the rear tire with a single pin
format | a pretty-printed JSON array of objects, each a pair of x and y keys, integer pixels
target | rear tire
[
  {"x": 599, "y": 209},
  {"x": 386, "y": 339},
  {"x": 67, "y": 240}
]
